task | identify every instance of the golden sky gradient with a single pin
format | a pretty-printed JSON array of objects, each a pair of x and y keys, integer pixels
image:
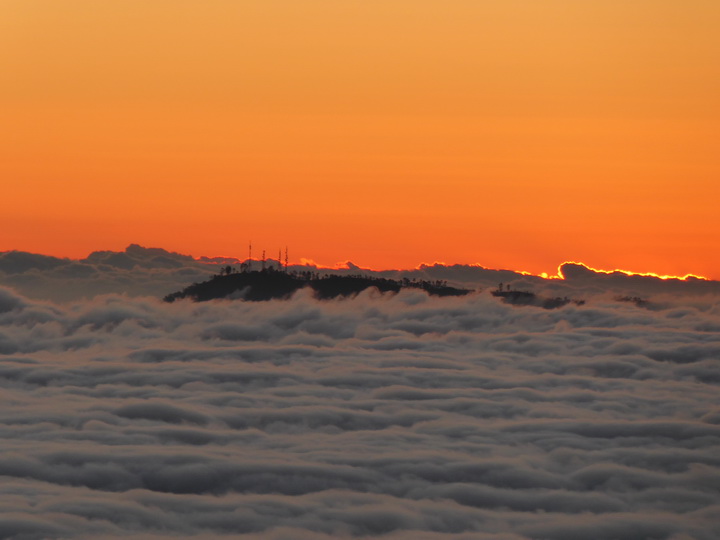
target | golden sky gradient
[{"x": 515, "y": 133}]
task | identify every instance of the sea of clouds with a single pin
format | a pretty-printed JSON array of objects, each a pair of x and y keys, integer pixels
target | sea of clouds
[{"x": 382, "y": 416}]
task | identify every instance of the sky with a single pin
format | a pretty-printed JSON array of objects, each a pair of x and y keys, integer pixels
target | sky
[{"x": 514, "y": 134}]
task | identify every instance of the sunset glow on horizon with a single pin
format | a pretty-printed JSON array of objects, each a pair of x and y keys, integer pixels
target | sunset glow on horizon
[{"x": 511, "y": 135}]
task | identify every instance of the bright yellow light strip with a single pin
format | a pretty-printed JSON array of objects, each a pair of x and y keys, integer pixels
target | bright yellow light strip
[{"x": 626, "y": 272}]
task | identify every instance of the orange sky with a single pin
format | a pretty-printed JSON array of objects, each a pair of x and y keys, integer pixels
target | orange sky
[{"x": 514, "y": 134}]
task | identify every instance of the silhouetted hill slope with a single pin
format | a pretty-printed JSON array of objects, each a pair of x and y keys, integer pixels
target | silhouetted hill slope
[
  {"x": 526, "y": 298},
  {"x": 270, "y": 284}
]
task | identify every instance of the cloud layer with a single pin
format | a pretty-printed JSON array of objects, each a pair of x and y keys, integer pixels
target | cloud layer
[{"x": 399, "y": 417}]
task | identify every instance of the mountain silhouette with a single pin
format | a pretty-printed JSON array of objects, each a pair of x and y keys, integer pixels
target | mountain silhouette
[{"x": 271, "y": 284}]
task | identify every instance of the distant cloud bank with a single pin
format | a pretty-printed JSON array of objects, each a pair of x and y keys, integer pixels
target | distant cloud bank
[
  {"x": 384, "y": 416},
  {"x": 140, "y": 271}
]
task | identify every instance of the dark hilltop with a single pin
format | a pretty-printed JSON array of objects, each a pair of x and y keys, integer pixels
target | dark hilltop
[
  {"x": 527, "y": 298},
  {"x": 270, "y": 283},
  {"x": 277, "y": 283}
]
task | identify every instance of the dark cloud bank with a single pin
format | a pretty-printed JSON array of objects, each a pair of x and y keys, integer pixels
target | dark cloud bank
[
  {"x": 398, "y": 417},
  {"x": 140, "y": 271}
]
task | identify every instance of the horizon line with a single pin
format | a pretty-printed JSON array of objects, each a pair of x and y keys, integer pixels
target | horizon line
[
  {"x": 348, "y": 264},
  {"x": 345, "y": 265}
]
